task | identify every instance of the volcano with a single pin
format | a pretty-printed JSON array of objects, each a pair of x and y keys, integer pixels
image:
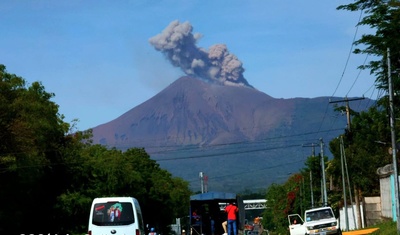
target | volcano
[{"x": 239, "y": 137}]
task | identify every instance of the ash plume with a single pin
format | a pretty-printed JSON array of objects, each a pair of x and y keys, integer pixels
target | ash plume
[{"x": 178, "y": 44}]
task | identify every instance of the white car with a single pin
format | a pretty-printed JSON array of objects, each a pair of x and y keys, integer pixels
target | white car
[{"x": 318, "y": 221}]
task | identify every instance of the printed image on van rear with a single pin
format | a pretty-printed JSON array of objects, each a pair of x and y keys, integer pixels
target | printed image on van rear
[{"x": 113, "y": 213}]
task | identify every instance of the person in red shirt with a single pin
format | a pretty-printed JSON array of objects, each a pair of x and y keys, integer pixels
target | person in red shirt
[{"x": 232, "y": 210}]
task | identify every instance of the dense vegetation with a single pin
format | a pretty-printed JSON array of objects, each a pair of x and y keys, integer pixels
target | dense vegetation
[
  {"x": 362, "y": 143},
  {"x": 49, "y": 176}
]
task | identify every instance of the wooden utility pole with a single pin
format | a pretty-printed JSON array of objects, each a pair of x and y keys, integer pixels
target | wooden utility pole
[
  {"x": 347, "y": 109},
  {"x": 356, "y": 193}
]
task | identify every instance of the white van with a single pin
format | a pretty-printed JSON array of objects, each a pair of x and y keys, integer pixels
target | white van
[{"x": 115, "y": 216}]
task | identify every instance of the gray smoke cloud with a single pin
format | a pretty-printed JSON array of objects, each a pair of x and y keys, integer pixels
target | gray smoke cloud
[{"x": 178, "y": 44}]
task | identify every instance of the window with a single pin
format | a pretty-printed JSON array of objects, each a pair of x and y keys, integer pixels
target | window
[{"x": 113, "y": 213}]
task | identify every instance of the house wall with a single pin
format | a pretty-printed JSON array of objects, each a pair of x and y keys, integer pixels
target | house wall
[{"x": 386, "y": 197}]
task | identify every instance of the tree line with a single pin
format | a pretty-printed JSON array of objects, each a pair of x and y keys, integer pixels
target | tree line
[{"x": 49, "y": 175}]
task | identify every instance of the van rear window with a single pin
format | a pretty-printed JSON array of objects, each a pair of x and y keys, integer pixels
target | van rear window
[{"x": 113, "y": 213}]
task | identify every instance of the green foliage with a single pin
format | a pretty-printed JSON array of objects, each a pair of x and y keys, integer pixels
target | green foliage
[
  {"x": 283, "y": 200},
  {"x": 275, "y": 218},
  {"x": 313, "y": 165},
  {"x": 364, "y": 150},
  {"x": 31, "y": 136},
  {"x": 366, "y": 144},
  {"x": 52, "y": 174},
  {"x": 384, "y": 18},
  {"x": 109, "y": 172},
  {"x": 294, "y": 196}
]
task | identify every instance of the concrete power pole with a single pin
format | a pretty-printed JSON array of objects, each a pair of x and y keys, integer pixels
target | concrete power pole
[
  {"x": 393, "y": 138},
  {"x": 311, "y": 179}
]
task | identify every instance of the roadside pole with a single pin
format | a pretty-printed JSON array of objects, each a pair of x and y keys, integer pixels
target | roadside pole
[
  {"x": 393, "y": 138},
  {"x": 325, "y": 198}
]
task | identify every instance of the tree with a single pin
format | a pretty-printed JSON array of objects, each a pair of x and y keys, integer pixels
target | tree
[
  {"x": 313, "y": 165},
  {"x": 363, "y": 155},
  {"x": 49, "y": 175},
  {"x": 31, "y": 137},
  {"x": 275, "y": 218},
  {"x": 365, "y": 151},
  {"x": 101, "y": 172},
  {"x": 384, "y": 17}
]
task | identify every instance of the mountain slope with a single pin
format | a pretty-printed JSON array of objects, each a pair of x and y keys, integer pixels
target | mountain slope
[
  {"x": 240, "y": 137},
  {"x": 191, "y": 111}
]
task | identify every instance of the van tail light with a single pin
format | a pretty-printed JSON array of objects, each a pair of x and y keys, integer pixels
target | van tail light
[
  {"x": 137, "y": 232},
  {"x": 90, "y": 232}
]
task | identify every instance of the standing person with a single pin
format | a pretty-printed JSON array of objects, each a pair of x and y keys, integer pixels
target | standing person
[
  {"x": 258, "y": 226},
  {"x": 232, "y": 210},
  {"x": 224, "y": 224}
]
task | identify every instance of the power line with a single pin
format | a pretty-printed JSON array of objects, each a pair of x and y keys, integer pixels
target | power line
[
  {"x": 358, "y": 75},
  {"x": 344, "y": 69},
  {"x": 348, "y": 56},
  {"x": 226, "y": 153},
  {"x": 248, "y": 172}
]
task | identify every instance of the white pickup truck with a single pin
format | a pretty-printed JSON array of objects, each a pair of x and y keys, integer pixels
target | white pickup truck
[{"x": 318, "y": 221}]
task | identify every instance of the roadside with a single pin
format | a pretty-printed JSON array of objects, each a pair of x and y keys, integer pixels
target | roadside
[
  {"x": 361, "y": 232},
  {"x": 384, "y": 228}
]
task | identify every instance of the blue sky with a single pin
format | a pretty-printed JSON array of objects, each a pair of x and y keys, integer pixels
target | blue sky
[{"x": 96, "y": 56}]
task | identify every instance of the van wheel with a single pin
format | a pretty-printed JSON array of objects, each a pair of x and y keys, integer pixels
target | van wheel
[{"x": 339, "y": 232}]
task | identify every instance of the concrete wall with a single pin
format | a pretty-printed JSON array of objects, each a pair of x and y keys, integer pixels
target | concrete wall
[
  {"x": 372, "y": 210},
  {"x": 351, "y": 217}
]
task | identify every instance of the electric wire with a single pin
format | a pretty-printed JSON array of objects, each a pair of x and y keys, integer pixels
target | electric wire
[
  {"x": 344, "y": 69},
  {"x": 349, "y": 55},
  {"x": 358, "y": 75},
  {"x": 248, "y": 172}
]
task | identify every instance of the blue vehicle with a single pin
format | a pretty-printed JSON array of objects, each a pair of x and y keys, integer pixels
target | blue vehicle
[{"x": 207, "y": 212}]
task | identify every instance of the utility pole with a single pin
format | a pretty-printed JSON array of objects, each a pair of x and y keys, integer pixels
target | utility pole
[
  {"x": 393, "y": 138},
  {"x": 206, "y": 184},
  {"x": 347, "y": 109},
  {"x": 325, "y": 196},
  {"x": 349, "y": 132},
  {"x": 343, "y": 182},
  {"x": 201, "y": 176},
  {"x": 311, "y": 180}
]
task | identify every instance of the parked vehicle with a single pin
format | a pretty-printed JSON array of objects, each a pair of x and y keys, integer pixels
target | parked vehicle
[
  {"x": 318, "y": 221},
  {"x": 115, "y": 215}
]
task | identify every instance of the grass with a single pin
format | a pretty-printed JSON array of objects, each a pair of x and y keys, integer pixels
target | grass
[{"x": 386, "y": 228}]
